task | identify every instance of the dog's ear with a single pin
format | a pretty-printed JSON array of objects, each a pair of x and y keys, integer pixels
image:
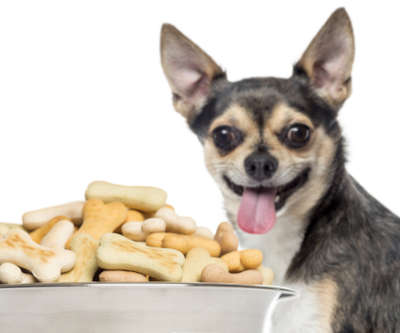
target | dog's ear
[
  {"x": 328, "y": 60},
  {"x": 189, "y": 70}
]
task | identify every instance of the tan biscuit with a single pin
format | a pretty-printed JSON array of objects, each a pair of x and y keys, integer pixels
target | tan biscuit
[
  {"x": 226, "y": 237},
  {"x": 98, "y": 219},
  {"x": 12, "y": 274},
  {"x": 46, "y": 264},
  {"x": 215, "y": 273},
  {"x": 138, "y": 231},
  {"x": 35, "y": 219},
  {"x": 119, "y": 253},
  {"x": 152, "y": 214},
  {"x": 232, "y": 259},
  {"x": 267, "y": 273},
  {"x": 196, "y": 260},
  {"x": 251, "y": 258},
  {"x": 185, "y": 243},
  {"x": 27, "y": 278},
  {"x": 38, "y": 234},
  {"x": 203, "y": 232},
  {"x": 85, "y": 268},
  {"x": 146, "y": 199},
  {"x": 155, "y": 239},
  {"x": 239, "y": 261},
  {"x": 174, "y": 223},
  {"x": 133, "y": 231},
  {"x": 122, "y": 276},
  {"x": 134, "y": 216},
  {"x": 58, "y": 236},
  {"x": 153, "y": 225}
]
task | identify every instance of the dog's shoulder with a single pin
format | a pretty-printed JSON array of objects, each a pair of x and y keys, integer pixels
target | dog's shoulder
[{"x": 355, "y": 244}]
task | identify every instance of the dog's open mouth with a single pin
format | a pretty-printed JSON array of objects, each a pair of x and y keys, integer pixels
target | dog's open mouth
[
  {"x": 282, "y": 192},
  {"x": 259, "y": 204}
]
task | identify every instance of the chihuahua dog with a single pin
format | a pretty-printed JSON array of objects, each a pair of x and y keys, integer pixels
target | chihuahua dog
[{"x": 276, "y": 150}]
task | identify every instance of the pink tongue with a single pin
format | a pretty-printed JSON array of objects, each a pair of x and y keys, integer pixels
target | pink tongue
[{"x": 257, "y": 211}]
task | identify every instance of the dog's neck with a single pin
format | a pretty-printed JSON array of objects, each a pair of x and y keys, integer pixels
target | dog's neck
[{"x": 329, "y": 210}]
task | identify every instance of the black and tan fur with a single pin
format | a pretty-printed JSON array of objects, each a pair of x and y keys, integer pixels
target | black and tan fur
[{"x": 347, "y": 255}]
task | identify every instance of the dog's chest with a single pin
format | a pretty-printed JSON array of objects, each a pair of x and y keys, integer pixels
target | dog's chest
[{"x": 279, "y": 245}]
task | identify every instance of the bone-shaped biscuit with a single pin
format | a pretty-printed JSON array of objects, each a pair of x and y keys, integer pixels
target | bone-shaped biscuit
[
  {"x": 153, "y": 225},
  {"x": 27, "y": 278},
  {"x": 122, "y": 276},
  {"x": 138, "y": 231},
  {"x": 196, "y": 260},
  {"x": 215, "y": 273},
  {"x": 116, "y": 252},
  {"x": 58, "y": 236},
  {"x": 156, "y": 239},
  {"x": 239, "y": 261},
  {"x": 226, "y": 237},
  {"x": 35, "y": 219},
  {"x": 39, "y": 233},
  {"x": 174, "y": 223},
  {"x": 134, "y": 215},
  {"x": 12, "y": 274},
  {"x": 146, "y": 199},
  {"x": 46, "y": 264},
  {"x": 85, "y": 268},
  {"x": 185, "y": 243},
  {"x": 98, "y": 219},
  {"x": 133, "y": 230}
]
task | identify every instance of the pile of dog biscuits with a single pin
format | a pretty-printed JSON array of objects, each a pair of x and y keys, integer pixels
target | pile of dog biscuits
[{"x": 123, "y": 234}]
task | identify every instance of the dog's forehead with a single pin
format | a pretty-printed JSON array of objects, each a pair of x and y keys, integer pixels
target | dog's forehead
[
  {"x": 258, "y": 103},
  {"x": 257, "y": 98}
]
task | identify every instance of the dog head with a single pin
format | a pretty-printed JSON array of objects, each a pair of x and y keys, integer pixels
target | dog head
[{"x": 271, "y": 144}]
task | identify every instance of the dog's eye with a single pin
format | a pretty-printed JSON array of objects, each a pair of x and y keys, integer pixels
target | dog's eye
[
  {"x": 297, "y": 135},
  {"x": 227, "y": 138}
]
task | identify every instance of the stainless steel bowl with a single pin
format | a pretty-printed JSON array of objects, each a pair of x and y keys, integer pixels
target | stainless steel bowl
[{"x": 138, "y": 307}]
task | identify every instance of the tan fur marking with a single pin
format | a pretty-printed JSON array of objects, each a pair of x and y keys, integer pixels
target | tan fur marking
[
  {"x": 237, "y": 116},
  {"x": 327, "y": 291},
  {"x": 284, "y": 115}
]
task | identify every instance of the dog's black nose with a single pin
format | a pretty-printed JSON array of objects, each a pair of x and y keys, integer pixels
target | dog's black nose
[{"x": 260, "y": 166}]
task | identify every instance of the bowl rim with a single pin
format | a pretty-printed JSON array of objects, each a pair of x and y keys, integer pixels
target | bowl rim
[{"x": 285, "y": 292}]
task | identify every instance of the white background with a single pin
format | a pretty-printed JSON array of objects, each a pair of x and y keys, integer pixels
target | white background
[{"x": 83, "y": 97}]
